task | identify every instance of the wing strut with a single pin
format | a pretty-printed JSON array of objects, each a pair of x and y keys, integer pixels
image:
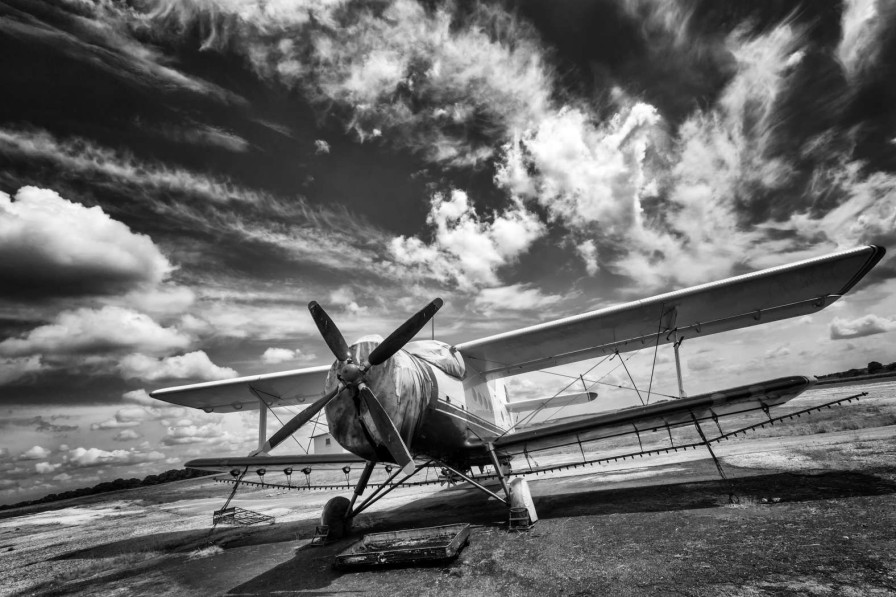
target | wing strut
[
  {"x": 634, "y": 385},
  {"x": 678, "y": 342},
  {"x": 732, "y": 498}
]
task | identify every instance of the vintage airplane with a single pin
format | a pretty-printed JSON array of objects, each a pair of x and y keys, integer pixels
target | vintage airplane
[{"x": 427, "y": 403}]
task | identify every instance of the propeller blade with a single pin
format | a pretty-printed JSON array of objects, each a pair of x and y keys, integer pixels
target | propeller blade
[
  {"x": 332, "y": 335},
  {"x": 404, "y": 333},
  {"x": 387, "y": 430},
  {"x": 297, "y": 421}
]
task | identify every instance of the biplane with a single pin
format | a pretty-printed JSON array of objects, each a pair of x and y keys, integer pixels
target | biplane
[{"x": 406, "y": 405}]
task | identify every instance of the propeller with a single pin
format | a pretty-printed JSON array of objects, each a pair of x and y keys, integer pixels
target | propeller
[
  {"x": 352, "y": 375},
  {"x": 404, "y": 333},
  {"x": 387, "y": 430},
  {"x": 332, "y": 335},
  {"x": 297, "y": 421}
]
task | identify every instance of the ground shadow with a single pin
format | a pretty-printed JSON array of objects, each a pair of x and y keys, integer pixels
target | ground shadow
[
  {"x": 312, "y": 568},
  {"x": 186, "y": 541}
]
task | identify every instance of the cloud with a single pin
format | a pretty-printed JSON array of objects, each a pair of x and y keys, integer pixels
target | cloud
[
  {"x": 195, "y": 133},
  {"x": 54, "y": 247},
  {"x": 95, "y": 331},
  {"x": 35, "y": 453},
  {"x": 17, "y": 368},
  {"x": 866, "y": 325},
  {"x": 581, "y": 171},
  {"x": 45, "y": 468},
  {"x": 466, "y": 249},
  {"x": 126, "y": 435},
  {"x": 587, "y": 250},
  {"x": 299, "y": 231},
  {"x": 441, "y": 81},
  {"x": 272, "y": 356},
  {"x": 142, "y": 398},
  {"x": 88, "y": 457},
  {"x": 190, "y": 433},
  {"x": 321, "y": 146},
  {"x": 515, "y": 297},
  {"x": 101, "y": 35},
  {"x": 130, "y": 416},
  {"x": 192, "y": 365},
  {"x": 862, "y": 27}
]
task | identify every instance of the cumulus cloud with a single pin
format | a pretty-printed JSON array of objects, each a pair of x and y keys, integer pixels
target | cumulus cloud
[
  {"x": 131, "y": 416},
  {"x": 51, "y": 246},
  {"x": 867, "y": 325},
  {"x": 87, "y": 457},
  {"x": 45, "y": 468},
  {"x": 272, "y": 356},
  {"x": 35, "y": 453},
  {"x": 89, "y": 331},
  {"x": 126, "y": 435},
  {"x": 467, "y": 249},
  {"x": 17, "y": 368},
  {"x": 192, "y": 365}
]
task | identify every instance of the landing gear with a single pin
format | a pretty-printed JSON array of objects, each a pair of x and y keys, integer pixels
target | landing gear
[
  {"x": 522, "y": 508},
  {"x": 334, "y": 518}
]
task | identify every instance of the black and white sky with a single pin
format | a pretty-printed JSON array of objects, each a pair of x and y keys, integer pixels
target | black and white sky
[{"x": 178, "y": 178}]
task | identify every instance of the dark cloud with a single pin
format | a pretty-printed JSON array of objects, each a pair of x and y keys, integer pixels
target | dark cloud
[{"x": 40, "y": 423}]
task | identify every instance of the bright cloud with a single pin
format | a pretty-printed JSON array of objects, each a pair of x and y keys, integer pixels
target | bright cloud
[
  {"x": 35, "y": 453},
  {"x": 45, "y": 468},
  {"x": 84, "y": 331},
  {"x": 466, "y": 249},
  {"x": 52, "y": 246},
  {"x": 85, "y": 457},
  {"x": 131, "y": 416},
  {"x": 272, "y": 356},
  {"x": 867, "y": 325},
  {"x": 193, "y": 365},
  {"x": 126, "y": 435},
  {"x": 402, "y": 71},
  {"x": 516, "y": 297}
]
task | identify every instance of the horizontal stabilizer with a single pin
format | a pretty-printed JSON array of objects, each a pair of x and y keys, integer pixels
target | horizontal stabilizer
[{"x": 565, "y": 400}]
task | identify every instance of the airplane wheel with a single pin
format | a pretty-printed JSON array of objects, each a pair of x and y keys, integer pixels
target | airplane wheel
[{"x": 333, "y": 516}]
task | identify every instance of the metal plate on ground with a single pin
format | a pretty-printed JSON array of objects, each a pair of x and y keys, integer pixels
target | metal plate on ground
[{"x": 406, "y": 547}]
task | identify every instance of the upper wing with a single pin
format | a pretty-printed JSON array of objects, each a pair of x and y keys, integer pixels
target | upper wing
[
  {"x": 760, "y": 297},
  {"x": 299, "y": 386},
  {"x": 672, "y": 413}
]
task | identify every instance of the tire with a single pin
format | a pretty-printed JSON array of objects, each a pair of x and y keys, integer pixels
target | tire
[{"x": 333, "y": 516}]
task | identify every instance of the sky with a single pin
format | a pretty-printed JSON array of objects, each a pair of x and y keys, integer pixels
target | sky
[{"x": 179, "y": 178}]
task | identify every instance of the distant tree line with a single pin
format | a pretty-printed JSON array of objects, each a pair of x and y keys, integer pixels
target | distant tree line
[
  {"x": 873, "y": 368},
  {"x": 175, "y": 474}
]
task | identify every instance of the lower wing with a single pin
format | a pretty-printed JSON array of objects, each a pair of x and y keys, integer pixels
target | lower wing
[{"x": 654, "y": 417}]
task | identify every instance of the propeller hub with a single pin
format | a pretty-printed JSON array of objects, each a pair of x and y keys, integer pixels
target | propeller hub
[{"x": 351, "y": 373}]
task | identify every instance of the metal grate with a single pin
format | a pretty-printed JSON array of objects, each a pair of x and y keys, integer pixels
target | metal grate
[{"x": 240, "y": 516}]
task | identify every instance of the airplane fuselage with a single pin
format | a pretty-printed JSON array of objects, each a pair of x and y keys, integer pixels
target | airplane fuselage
[{"x": 437, "y": 413}]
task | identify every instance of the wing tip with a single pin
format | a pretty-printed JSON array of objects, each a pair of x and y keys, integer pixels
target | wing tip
[{"x": 876, "y": 253}]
